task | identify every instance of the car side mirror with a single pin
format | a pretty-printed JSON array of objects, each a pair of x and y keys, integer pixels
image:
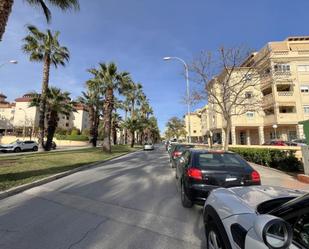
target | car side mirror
[{"x": 273, "y": 231}]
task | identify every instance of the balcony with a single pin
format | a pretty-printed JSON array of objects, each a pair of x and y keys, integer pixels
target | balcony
[
  {"x": 269, "y": 119},
  {"x": 287, "y": 118},
  {"x": 266, "y": 80},
  {"x": 282, "y": 76},
  {"x": 285, "y": 96}
]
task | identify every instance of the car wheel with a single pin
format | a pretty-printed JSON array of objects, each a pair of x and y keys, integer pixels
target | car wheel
[
  {"x": 185, "y": 201},
  {"x": 35, "y": 148},
  {"x": 214, "y": 238},
  {"x": 17, "y": 150}
]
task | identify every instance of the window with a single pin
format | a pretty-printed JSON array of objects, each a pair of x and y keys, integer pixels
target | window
[
  {"x": 282, "y": 68},
  {"x": 248, "y": 95},
  {"x": 67, "y": 124},
  {"x": 250, "y": 115},
  {"x": 304, "y": 89},
  {"x": 194, "y": 131},
  {"x": 248, "y": 77},
  {"x": 306, "y": 109},
  {"x": 303, "y": 68},
  {"x": 287, "y": 109},
  {"x": 219, "y": 161}
]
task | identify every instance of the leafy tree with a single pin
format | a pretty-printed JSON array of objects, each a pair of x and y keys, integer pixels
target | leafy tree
[
  {"x": 44, "y": 47},
  {"x": 6, "y": 8},
  {"x": 175, "y": 128},
  {"x": 57, "y": 102}
]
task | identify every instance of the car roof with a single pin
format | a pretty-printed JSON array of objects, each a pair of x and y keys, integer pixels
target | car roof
[{"x": 200, "y": 150}]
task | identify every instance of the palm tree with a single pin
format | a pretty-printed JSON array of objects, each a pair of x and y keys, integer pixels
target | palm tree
[
  {"x": 57, "y": 102},
  {"x": 93, "y": 100},
  {"x": 6, "y": 8},
  {"x": 44, "y": 47},
  {"x": 125, "y": 106},
  {"x": 111, "y": 80},
  {"x": 116, "y": 121},
  {"x": 132, "y": 124}
]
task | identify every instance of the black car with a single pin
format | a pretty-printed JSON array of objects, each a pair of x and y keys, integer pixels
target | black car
[
  {"x": 200, "y": 171},
  {"x": 177, "y": 151}
]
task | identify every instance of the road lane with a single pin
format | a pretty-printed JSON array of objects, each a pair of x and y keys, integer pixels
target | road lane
[{"x": 130, "y": 202}]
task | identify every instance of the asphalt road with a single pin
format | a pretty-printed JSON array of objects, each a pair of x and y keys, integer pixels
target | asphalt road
[{"x": 130, "y": 202}]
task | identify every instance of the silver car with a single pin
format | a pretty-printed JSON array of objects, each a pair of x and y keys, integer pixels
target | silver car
[
  {"x": 18, "y": 146},
  {"x": 148, "y": 146},
  {"x": 257, "y": 217}
]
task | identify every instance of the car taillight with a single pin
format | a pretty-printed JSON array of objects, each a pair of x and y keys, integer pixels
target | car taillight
[
  {"x": 195, "y": 173},
  {"x": 176, "y": 153},
  {"x": 255, "y": 176}
]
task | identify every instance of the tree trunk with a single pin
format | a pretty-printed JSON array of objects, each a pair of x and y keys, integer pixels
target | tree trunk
[
  {"x": 5, "y": 11},
  {"x": 42, "y": 107},
  {"x": 125, "y": 129},
  {"x": 132, "y": 139},
  {"x": 92, "y": 123},
  {"x": 108, "y": 108},
  {"x": 51, "y": 128},
  {"x": 96, "y": 128},
  {"x": 114, "y": 134},
  {"x": 227, "y": 134}
]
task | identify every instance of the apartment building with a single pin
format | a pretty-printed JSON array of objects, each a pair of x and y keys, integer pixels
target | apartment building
[
  {"x": 20, "y": 115},
  {"x": 283, "y": 69},
  {"x": 196, "y": 126}
]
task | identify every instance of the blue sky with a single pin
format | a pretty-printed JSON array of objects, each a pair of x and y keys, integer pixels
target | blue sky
[{"x": 137, "y": 34}]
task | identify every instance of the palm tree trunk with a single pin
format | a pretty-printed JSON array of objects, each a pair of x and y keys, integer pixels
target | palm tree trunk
[
  {"x": 92, "y": 123},
  {"x": 132, "y": 139},
  {"x": 51, "y": 128},
  {"x": 5, "y": 11},
  {"x": 125, "y": 129},
  {"x": 43, "y": 100},
  {"x": 108, "y": 108},
  {"x": 114, "y": 134},
  {"x": 96, "y": 127}
]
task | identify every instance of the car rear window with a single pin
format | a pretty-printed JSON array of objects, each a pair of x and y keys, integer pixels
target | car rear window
[
  {"x": 182, "y": 148},
  {"x": 219, "y": 160}
]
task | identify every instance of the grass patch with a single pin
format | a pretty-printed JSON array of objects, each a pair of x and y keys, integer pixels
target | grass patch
[{"x": 21, "y": 169}]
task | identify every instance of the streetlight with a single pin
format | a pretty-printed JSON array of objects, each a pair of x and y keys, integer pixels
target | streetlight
[
  {"x": 188, "y": 90},
  {"x": 9, "y": 62},
  {"x": 275, "y": 129},
  {"x": 24, "y": 130}
]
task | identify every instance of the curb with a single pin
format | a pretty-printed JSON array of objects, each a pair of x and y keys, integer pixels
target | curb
[{"x": 22, "y": 188}]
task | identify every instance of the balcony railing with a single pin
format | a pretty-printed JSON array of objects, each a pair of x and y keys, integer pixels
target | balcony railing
[{"x": 285, "y": 93}]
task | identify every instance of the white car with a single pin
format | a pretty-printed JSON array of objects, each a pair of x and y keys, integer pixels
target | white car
[
  {"x": 18, "y": 146},
  {"x": 148, "y": 146},
  {"x": 257, "y": 217}
]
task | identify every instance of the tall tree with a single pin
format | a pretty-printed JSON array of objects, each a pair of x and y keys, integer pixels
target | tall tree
[
  {"x": 175, "y": 128},
  {"x": 6, "y": 8},
  {"x": 116, "y": 124},
  {"x": 230, "y": 92},
  {"x": 44, "y": 47},
  {"x": 111, "y": 80},
  {"x": 57, "y": 102}
]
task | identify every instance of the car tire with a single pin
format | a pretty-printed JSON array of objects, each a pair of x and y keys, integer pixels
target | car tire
[
  {"x": 16, "y": 150},
  {"x": 185, "y": 201},
  {"x": 214, "y": 238},
  {"x": 35, "y": 148}
]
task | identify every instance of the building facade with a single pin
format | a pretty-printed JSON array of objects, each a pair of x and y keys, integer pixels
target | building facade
[
  {"x": 19, "y": 115},
  {"x": 196, "y": 126},
  {"x": 283, "y": 72}
]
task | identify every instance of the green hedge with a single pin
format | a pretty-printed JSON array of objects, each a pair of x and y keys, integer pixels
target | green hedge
[
  {"x": 72, "y": 137},
  {"x": 275, "y": 158}
]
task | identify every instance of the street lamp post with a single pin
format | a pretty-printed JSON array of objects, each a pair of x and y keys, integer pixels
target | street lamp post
[
  {"x": 187, "y": 89},
  {"x": 24, "y": 129},
  {"x": 275, "y": 129}
]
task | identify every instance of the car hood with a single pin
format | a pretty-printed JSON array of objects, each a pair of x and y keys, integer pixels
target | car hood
[
  {"x": 7, "y": 145},
  {"x": 254, "y": 195}
]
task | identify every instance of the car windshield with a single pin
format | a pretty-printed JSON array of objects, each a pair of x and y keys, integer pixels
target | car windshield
[
  {"x": 14, "y": 142},
  {"x": 219, "y": 160}
]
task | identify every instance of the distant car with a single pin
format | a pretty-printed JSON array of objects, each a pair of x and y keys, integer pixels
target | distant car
[
  {"x": 200, "y": 171},
  {"x": 300, "y": 142},
  {"x": 276, "y": 143},
  {"x": 18, "y": 146},
  {"x": 257, "y": 217},
  {"x": 53, "y": 146},
  {"x": 148, "y": 146},
  {"x": 177, "y": 151}
]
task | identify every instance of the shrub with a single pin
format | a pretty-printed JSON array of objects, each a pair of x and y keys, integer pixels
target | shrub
[
  {"x": 274, "y": 158},
  {"x": 61, "y": 131},
  {"x": 72, "y": 137},
  {"x": 86, "y": 132},
  {"x": 75, "y": 131}
]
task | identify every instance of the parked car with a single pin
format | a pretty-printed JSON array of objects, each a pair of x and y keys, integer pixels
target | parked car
[
  {"x": 276, "y": 143},
  {"x": 300, "y": 142},
  {"x": 177, "y": 151},
  {"x": 18, "y": 146},
  {"x": 53, "y": 146},
  {"x": 148, "y": 146},
  {"x": 257, "y": 217},
  {"x": 200, "y": 171}
]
